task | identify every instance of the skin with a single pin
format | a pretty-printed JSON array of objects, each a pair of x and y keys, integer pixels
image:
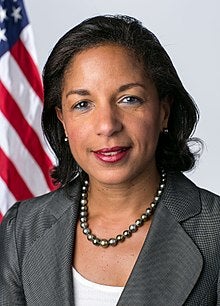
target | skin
[{"x": 108, "y": 103}]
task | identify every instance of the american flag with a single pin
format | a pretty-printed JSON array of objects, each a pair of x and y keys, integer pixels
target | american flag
[{"x": 25, "y": 159}]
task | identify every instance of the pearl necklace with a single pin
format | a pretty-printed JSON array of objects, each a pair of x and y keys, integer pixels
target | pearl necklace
[{"x": 131, "y": 229}]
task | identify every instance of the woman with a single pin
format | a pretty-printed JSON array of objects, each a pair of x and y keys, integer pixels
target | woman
[{"x": 125, "y": 226}]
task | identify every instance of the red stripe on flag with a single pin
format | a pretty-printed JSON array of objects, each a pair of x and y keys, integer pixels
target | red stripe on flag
[
  {"x": 12, "y": 178},
  {"x": 1, "y": 217},
  {"x": 28, "y": 136},
  {"x": 28, "y": 67}
]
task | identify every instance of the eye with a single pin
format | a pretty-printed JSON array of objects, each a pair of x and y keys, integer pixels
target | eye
[
  {"x": 82, "y": 106},
  {"x": 131, "y": 100}
]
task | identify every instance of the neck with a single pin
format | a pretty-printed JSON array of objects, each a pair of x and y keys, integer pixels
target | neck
[{"x": 127, "y": 198}]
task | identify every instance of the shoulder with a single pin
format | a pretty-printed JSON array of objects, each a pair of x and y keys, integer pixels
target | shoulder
[
  {"x": 203, "y": 219},
  {"x": 210, "y": 199},
  {"x": 184, "y": 184},
  {"x": 210, "y": 202},
  {"x": 185, "y": 199},
  {"x": 210, "y": 213},
  {"x": 27, "y": 222},
  {"x": 31, "y": 217}
]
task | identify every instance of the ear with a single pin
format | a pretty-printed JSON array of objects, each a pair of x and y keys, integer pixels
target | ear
[
  {"x": 166, "y": 104},
  {"x": 60, "y": 117}
]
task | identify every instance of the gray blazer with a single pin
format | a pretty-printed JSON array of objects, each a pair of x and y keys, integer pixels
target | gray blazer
[{"x": 179, "y": 263}]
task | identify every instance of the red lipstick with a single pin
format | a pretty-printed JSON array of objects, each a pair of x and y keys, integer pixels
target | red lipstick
[{"x": 111, "y": 155}]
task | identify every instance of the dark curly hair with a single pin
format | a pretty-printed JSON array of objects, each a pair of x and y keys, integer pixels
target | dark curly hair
[{"x": 173, "y": 152}]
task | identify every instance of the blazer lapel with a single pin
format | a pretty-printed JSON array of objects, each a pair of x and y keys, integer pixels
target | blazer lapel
[
  {"x": 50, "y": 258},
  {"x": 169, "y": 263}
]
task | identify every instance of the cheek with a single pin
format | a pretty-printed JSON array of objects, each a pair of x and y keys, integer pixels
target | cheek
[
  {"x": 149, "y": 128},
  {"x": 76, "y": 135},
  {"x": 146, "y": 134},
  {"x": 74, "y": 128}
]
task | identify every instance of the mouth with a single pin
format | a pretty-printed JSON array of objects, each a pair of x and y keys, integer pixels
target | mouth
[{"x": 112, "y": 155}]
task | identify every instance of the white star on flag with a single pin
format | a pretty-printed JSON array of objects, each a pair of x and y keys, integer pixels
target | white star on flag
[
  {"x": 2, "y": 35},
  {"x": 16, "y": 14},
  {"x": 3, "y": 15}
]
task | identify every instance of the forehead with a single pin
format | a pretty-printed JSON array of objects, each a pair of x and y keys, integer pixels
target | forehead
[{"x": 108, "y": 56}]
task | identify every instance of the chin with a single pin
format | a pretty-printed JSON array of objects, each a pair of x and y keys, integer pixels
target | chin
[
  {"x": 111, "y": 181},
  {"x": 113, "y": 178}
]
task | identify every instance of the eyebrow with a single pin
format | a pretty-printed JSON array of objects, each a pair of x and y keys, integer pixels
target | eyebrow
[
  {"x": 80, "y": 92},
  {"x": 129, "y": 86},
  {"x": 84, "y": 92}
]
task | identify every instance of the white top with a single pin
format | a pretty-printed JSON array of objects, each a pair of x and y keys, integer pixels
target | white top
[{"x": 88, "y": 293}]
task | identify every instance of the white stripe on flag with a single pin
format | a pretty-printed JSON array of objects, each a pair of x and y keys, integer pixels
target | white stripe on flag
[
  {"x": 6, "y": 197},
  {"x": 13, "y": 147},
  {"x": 27, "y": 38}
]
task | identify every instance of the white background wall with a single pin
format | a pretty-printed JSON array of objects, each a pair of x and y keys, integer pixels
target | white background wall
[{"x": 189, "y": 31}]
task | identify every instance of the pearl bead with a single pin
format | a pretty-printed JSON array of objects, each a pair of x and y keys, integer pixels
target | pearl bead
[
  {"x": 90, "y": 237},
  {"x": 139, "y": 222},
  {"x": 83, "y": 219},
  {"x": 152, "y": 204},
  {"x": 84, "y": 208},
  {"x": 113, "y": 242},
  {"x": 96, "y": 241},
  {"x": 127, "y": 234},
  {"x": 148, "y": 211},
  {"x": 104, "y": 243},
  {"x": 86, "y": 231},
  {"x": 133, "y": 228},
  {"x": 120, "y": 238},
  {"x": 144, "y": 217},
  {"x": 84, "y": 225}
]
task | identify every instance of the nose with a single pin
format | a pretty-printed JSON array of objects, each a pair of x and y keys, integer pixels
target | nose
[{"x": 108, "y": 121}]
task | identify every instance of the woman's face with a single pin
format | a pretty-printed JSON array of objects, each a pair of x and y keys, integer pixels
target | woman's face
[{"x": 112, "y": 115}]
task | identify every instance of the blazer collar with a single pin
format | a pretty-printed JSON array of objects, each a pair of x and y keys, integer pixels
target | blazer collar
[{"x": 169, "y": 263}]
